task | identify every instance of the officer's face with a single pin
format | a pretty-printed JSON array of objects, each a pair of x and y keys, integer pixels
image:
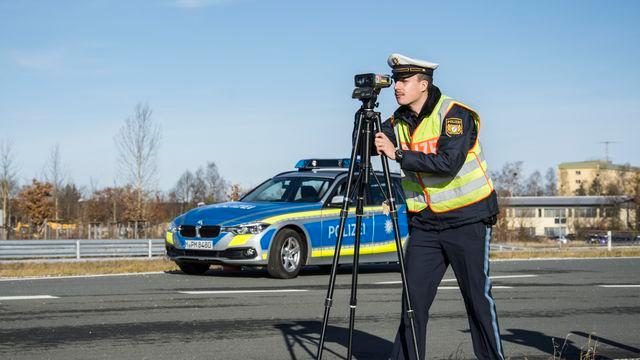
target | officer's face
[{"x": 409, "y": 90}]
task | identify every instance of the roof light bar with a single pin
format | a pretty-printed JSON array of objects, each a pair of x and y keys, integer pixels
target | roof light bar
[{"x": 310, "y": 164}]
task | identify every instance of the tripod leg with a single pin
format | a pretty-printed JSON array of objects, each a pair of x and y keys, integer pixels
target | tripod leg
[
  {"x": 344, "y": 213},
  {"x": 365, "y": 168},
  {"x": 356, "y": 262},
  {"x": 396, "y": 229}
]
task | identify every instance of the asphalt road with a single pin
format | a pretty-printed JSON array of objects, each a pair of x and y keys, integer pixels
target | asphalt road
[{"x": 247, "y": 315}]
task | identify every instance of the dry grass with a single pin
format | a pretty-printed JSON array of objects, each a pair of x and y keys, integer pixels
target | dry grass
[
  {"x": 587, "y": 351},
  {"x": 564, "y": 253},
  {"x": 547, "y": 243},
  {"x": 25, "y": 269}
]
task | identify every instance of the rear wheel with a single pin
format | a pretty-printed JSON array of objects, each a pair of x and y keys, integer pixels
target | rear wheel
[
  {"x": 287, "y": 255},
  {"x": 193, "y": 268}
]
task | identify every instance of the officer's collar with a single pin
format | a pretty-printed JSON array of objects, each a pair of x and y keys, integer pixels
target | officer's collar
[{"x": 433, "y": 97}]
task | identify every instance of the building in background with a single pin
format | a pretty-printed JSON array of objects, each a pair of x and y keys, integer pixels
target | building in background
[
  {"x": 598, "y": 177},
  {"x": 563, "y": 215}
]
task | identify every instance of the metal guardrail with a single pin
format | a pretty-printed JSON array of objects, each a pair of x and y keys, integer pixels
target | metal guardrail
[
  {"x": 52, "y": 249},
  {"x": 505, "y": 247},
  {"x": 577, "y": 248},
  {"x": 47, "y": 249}
]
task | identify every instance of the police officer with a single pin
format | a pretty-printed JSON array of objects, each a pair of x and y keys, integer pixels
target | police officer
[{"x": 451, "y": 202}]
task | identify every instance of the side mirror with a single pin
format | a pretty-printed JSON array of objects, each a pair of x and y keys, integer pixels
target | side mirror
[{"x": 337, "y": 200}]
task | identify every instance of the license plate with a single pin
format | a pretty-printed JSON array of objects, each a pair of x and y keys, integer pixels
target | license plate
[{"x": 198, "y": 244}]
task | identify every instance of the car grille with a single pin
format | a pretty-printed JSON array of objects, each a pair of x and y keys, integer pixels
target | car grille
[
  {"x": 188, "y": 231},
  {"x": 208, "y": 231}
]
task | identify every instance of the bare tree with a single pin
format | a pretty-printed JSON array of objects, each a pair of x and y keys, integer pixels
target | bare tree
[
  {"x": 199, "y": 187},
  {"x": 508, "y": 180},
  {"x": 138, "y": 141},
  {"x": 183, "y": 190},
  {"x": 216, "y": 185},
  {"x": 8, "y": 181},
  {"x": 533, "y": 185},
  {"x": 205, "y": 185},
  {"x": 551, "y": 183},
  {"x": 56, "y": 175}
]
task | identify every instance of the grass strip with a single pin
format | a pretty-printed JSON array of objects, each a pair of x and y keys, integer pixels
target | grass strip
[
  {"x": 564, "y": 253},
  {"x": 27, "y": 269}
]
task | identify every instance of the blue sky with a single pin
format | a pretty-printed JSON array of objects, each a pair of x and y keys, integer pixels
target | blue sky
[{"x": 255, "y": 85}]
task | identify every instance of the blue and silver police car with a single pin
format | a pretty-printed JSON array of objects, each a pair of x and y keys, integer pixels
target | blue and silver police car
[{"x": 287, "y": 222}]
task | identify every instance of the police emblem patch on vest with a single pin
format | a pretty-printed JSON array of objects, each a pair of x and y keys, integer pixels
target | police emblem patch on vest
[{"x": 453, "y": 126}]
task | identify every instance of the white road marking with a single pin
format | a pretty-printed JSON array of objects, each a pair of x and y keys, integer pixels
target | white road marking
[
  {"x": 503, "y": 277},
  {"x": 78, "y": 276},
  {"x": 567, "y": 258},
  {"x": 32, "y": 297},
  {"x": 619, "y": 286},
  {"x": 443, "y": 280},
  {"x": 455, "y": 287},
  {"x": 213, "y": 292}
]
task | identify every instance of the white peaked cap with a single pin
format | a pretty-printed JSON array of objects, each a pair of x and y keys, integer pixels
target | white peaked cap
[{"x": 396, "y": 60}]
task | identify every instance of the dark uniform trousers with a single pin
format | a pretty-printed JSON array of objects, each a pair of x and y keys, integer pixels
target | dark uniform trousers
[{"x": 428, "y": 255}]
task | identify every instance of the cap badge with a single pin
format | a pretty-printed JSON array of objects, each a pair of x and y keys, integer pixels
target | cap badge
[{"x": 395, "y": 61}]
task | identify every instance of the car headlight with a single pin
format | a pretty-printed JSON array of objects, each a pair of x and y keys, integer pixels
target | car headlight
[
  {"x": 242, "y": 229},
  {"x": 172, "y": 228}
]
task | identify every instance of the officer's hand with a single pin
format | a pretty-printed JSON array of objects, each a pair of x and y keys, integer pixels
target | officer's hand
[{"x": 385, "y": 146}]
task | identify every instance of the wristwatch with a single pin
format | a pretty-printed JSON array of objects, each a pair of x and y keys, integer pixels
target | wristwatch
[{"x": 399, "y": 155}]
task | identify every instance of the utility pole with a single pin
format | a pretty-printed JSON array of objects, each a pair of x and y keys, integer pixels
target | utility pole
[{"x": 606, "y": 147}]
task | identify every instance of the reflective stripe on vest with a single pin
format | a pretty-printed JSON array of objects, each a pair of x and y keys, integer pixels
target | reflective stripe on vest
[{"x": 442, "y": 193}]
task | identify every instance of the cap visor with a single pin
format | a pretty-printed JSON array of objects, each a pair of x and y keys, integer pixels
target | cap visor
[{"x": 403, "y": 75}]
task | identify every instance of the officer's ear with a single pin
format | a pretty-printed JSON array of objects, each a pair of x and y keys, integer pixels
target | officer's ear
[
  {"x": 424, "y": 85},
  {"x": 424, "y": 82}
]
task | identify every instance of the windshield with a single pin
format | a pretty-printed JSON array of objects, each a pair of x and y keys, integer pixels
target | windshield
[{"x": 289, "y": 189}]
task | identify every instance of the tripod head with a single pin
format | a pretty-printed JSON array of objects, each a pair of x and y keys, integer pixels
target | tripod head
[{"x": 368, "y": 88}]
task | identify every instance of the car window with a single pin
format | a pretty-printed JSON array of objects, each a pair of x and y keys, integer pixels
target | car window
[
  {"x": 273, "y": 191},
  {"x": 311, "y": 190},
  {"x": 341, "y": 189},
  {"x": 377, "y": 192},
  {"x": 289, "y": 189},
  {"x": 374, "y": 196}
]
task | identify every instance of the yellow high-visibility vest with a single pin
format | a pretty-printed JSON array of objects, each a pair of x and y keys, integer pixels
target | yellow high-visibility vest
[{"x": 442, "y": 193}]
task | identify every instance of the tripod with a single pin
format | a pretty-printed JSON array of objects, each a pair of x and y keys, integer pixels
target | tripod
[{"x": 366, "y": 121}]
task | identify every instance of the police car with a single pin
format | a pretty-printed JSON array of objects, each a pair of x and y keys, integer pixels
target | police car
[{"x": 287, "y": 222}]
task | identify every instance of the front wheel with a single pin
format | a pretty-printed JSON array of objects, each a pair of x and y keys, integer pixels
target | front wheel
[
  {"x": 193, "y": 268},
  {"x": 287, "y": 255}
]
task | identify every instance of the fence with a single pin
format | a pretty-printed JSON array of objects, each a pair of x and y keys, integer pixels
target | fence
[
  {"x": 52, "y": 249},
  {"x": 48, "y": 249}
]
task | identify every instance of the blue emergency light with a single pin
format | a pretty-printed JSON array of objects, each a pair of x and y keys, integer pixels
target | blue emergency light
[{"x": 310, "y": 164}]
